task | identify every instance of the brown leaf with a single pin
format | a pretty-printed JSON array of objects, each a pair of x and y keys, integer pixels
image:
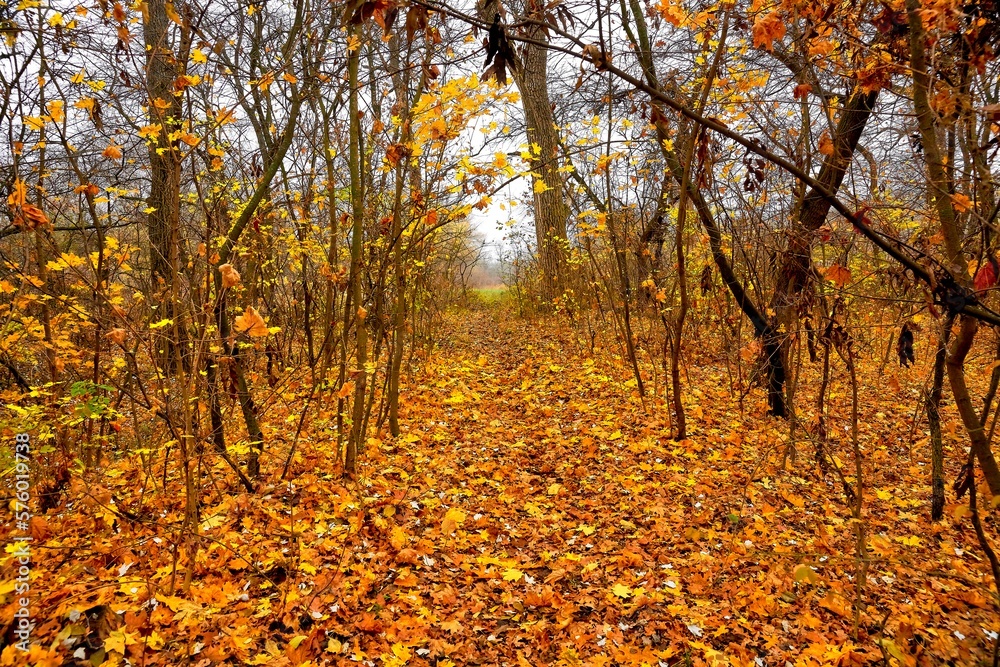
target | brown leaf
[
  {"x": 416, "y": 19},
  {"x": 230, "y": 276},
  {"x": 838, "y": 275}
]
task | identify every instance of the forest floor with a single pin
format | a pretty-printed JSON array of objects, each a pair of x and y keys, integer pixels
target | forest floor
[{"x": 534, "y": 512}]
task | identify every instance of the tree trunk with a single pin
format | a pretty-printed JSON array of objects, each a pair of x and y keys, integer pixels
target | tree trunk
[
  {"x": 963, "y": 401},
  {"x": 531, "y": 78},
  {"x": 163, "y": 221},
  {"x": 938, "y": 186},
  {"x": 356, "y": 436},
  {"x": 933, "y": 404},
  {"x": 550, "y": 208},
  {"x": 793, "y": 275}
]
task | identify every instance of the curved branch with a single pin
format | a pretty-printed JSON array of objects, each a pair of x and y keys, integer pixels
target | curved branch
[{"x": 943, "y": 289}]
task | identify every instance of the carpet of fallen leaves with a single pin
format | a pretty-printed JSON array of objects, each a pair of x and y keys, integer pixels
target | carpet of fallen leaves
[{"x": 533, "y": 512}]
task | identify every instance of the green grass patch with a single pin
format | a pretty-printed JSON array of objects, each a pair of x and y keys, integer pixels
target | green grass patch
[{"x": 490, "y": 295}]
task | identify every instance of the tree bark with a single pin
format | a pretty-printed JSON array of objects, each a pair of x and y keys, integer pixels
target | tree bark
[
  {"x": 938, "y": 185},
  {"x": 793, "y": 275},
  {"x": 933, "y": 404},
  {"x": 163, "y": 221},
  {"x": 963, "y": 401},
  {"x": 356, "y": 436},
  {"x": 550, "y": 208}
]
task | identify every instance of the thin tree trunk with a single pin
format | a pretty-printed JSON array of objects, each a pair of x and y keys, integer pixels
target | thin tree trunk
[
  {"x": 940, "y": 193},
  {"x": 963, "y": 401},
  {"x": 402, "y": 84},
  {"x": 357, "y": 231},
  {"x": 932, "y": 403}
]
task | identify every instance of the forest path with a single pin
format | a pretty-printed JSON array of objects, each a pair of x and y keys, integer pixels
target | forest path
[
  {"x": 548, "y": 518},
  {"x": 533, "y": 512},
  {"x": 548, "y": 513}
]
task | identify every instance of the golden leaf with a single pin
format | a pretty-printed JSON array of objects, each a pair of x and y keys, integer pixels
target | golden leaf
[
  {"x": 453, "y": 518},
  {"x": 18, "y": 194},
  {"x": 252, "y": 323},
  {"x": 113, "y": 152},
  {"x": 767, "y": 29},
  {"x": 230, "y": 276},
  {"x": 961, "y": 202}
]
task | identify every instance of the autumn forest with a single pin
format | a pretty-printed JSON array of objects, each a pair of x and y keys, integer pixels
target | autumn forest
[{"x": 500, "y": 332}]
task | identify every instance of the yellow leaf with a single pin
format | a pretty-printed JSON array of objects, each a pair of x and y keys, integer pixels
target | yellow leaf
[
  {"x": 290, "y": 78},
  {"x": 402, "y": 653},
  {"x": 155, "y": 641},
  {"x": 553, "y": 490},
  {"x": 541, "y": 187},
  {"x": 55, "y": 109},
  {"x": 795, "y": 500},
  {"x": 961, "y": 202},
  {"x": 150, "y": 131},
  {"x": 34, "y": 123},
  {"x": 118, "y": 640},
  {"x": 622, "y": 591},
  {"x": 198, "y": 56},
  {"x": 805, "y": 574},
  {"x": 397, "y": 538},
  {"x": 179, "y": 604},
  {"x": 438, "y": 129},
  {"x": 453, "y": 518},
  {"x": 455, "y": 398},
  {"x": 297, "y": 640},
  {"x": 173, "y": 15},
  {"x": 18, "y": 194},
  {"x": 512, "y": 574},
  {"x": 266, "y": 81},
  {"x": 86, "y": 103}
]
